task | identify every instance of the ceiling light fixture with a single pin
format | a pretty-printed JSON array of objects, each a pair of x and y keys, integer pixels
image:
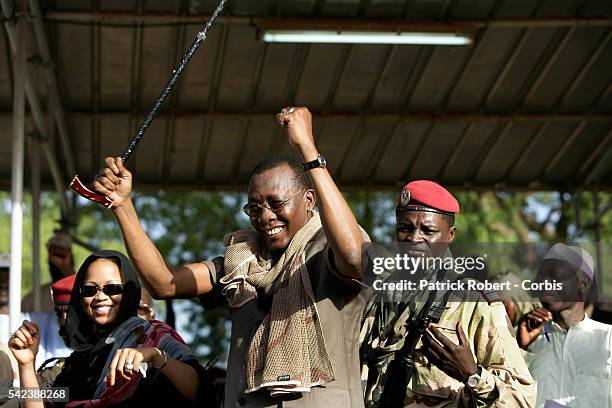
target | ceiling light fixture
[{"x": 364, "y": 37}]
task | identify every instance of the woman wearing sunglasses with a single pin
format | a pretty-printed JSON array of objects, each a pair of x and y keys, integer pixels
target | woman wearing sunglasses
[{"x": 119, "y": 358}]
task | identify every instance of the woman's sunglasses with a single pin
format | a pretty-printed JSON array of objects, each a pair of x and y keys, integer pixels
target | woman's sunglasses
[{"x": 110, "y": 289}]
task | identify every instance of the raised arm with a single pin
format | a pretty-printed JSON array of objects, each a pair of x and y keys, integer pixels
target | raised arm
[
  {"x": 24, "y": 346},
  {"x": 115, "y": 181},
  {"x": 339, "y": 223}
]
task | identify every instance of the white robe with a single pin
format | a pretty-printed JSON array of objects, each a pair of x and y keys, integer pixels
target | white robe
[{"x": 573, "y": 367}]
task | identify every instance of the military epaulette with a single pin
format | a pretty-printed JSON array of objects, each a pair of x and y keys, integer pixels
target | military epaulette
[
  {"x": 59, "y": 365},
  {"x": 491, "y": 296},
  {"x": 47, "y": 363}
]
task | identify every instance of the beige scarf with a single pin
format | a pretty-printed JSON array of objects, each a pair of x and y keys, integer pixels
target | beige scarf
[{"x": 287, "y": 353}]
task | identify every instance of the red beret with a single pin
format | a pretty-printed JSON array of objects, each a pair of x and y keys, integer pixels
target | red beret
[
  {"x": 425, "y": 195},
  {"x": 61, "y": 289}
]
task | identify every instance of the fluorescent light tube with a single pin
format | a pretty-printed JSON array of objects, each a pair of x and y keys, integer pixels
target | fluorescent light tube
[{"x": 363, "y": 37}]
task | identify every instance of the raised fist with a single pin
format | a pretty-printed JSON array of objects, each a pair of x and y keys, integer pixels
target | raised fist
[
  {"x": 24, "y": 343},
  {"x": 298, "y": 122}
]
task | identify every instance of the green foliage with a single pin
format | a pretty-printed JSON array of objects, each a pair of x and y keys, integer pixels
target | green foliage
[
  {"x": 49, "y": 218},
  {"x": 375, "y": 211}
]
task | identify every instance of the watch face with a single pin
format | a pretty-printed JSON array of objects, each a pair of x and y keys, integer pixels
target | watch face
[
  {"x": 319, "y": 162},
  {"x": 473, "y": 381}
]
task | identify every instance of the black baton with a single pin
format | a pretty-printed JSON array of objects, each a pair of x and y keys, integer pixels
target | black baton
[{"x": 76, "y": 184}]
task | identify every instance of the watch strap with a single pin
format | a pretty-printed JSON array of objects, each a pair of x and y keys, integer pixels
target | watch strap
[{"x": 313, "y": 164}]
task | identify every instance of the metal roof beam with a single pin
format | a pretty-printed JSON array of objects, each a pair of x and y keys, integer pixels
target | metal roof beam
[
  {"x": 96, "y": 160},
  {"x": 407, "y": 174},
  {"x": 552, "y": 60},
  {"x": 410, "y": 116},
  {"x": 485, "y": 154},
  {"x": 595, "y": 155},
  {"x": 381, "y": 75},
  {"x": 36, "y": 113},
  {"x": 416, "y": 75},
  {"x": 448, "y": 163},
  {"x": 602, "y": 165},
  {"x": 562, "y": 150},
  {"x": 212, "y": 101},
  {"x": 60, "y": 119},
  {"x": 174, "y": 97},
  {"x": 524, "y": 154},
  {"x": 340, "y": 71},
  {"x": 262, "y": 56},
  {"x": 381, "y": 146},
  {"x": 118, "y": 17},
  {"x": 583, "y": 72},
  {"x": 32, "y": 96},
  {"x": 240, "y": 186},
  {"x": 508, "y": 64}
]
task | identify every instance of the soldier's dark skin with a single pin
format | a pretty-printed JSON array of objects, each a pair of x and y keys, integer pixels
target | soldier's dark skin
[{"x": 428, "y": 230}]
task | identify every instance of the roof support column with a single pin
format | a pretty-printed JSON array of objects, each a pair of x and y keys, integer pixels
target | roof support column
[
  {"x": 19, "y": 101},
  {"x": 34, "y": 159}
]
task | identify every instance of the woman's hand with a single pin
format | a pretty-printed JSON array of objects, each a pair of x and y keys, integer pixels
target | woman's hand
[
  {"x": 24, "y": 343},
  {"x": 126, "y": 362},
  {"x": 24, "y": 346}
]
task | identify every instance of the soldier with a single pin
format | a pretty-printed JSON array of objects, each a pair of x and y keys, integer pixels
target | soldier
[
  {"x": 60, "y": 291},
  {"x": 469, "y": 358}
]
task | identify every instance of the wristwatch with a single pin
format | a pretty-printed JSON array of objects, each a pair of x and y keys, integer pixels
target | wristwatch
[
  {"x": 474, "y": 379},
  {"x": 318, "y": 162}
]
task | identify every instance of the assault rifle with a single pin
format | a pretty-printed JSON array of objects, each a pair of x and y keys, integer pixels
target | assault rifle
[{"x": 401, "y": 369}]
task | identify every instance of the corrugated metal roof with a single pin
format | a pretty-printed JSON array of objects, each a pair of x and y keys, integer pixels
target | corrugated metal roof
[{"x": 529, "y": 106}]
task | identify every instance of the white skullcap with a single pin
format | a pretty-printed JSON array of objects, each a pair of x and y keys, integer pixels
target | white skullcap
[{"x": 573, "y": 255}]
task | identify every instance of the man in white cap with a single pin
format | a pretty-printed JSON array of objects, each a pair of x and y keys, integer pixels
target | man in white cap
[{"x": 568, "y": 354}]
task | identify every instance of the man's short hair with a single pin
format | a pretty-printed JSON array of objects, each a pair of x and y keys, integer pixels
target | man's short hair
[
  {"x": 300, "y": 177},
  {"x": 450, "y": 219}
]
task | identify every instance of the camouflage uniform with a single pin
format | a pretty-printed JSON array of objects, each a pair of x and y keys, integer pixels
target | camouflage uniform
[
  {"x": 505, "y": 379},
  {"x": 50, "y": 370},
  {"x": 7, "y": 375}
]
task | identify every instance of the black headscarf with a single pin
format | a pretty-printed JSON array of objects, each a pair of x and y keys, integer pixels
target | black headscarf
[
  {"x": 79, "y": 327},
  {"x": 83, "y": 369}
]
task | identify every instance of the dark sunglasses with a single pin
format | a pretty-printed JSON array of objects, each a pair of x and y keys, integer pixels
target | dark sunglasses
[{"x": 110, "y": 289}]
